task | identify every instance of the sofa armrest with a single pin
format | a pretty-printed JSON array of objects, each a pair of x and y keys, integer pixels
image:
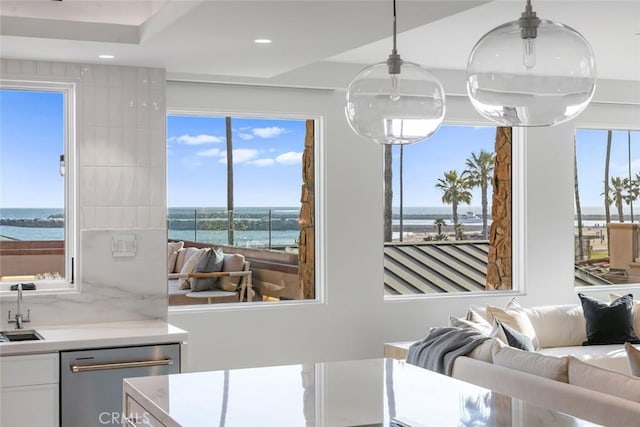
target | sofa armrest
[{"x": 590, "y": 405}]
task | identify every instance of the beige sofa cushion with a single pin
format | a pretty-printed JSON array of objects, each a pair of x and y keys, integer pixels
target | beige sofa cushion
[
  {"x": 189, "y": 266},
  {"x": 482, "y": 327},
  {"x": 558, "y": 325},
  {"x": 485, "y": 350},
  {"x": 232, "y": 262},
  {"x": 633, "y": 357},
  {"x": 610, "y": 356},
  {"x": 514, "y": 317},
  {"x": 554, "y": 368},
  {"x": 172, "y": 255},
  {"x": 606, "y": 381}
]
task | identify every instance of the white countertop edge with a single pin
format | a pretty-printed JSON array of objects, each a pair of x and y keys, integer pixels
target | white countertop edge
[
  {"x": 96, "y": 335},
  {"x": 147, "y": 403}
]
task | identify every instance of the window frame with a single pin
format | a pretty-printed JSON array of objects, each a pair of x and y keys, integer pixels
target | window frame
[
  {"x": 319, "y": 209},
  {"x": 518, "y": 224},
  {"x": 69, "y": 93},
  {"x": 617, "y": 127}
]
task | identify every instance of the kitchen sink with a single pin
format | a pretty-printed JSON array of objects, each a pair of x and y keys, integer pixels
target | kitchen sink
[{"x": 20, "y": 335}]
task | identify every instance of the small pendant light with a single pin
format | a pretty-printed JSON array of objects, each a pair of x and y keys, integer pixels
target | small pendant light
[
  {"x": 531, "y": 72},
  {"x": 395, "y": 101}
]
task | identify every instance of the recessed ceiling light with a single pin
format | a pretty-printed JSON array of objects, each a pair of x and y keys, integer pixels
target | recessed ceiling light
[
  {"x": 262, "y": 41},
  {"x": 106, "y": 56}
]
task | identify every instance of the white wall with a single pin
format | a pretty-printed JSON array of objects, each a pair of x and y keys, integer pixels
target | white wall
[{"x": 354, "y": 322}]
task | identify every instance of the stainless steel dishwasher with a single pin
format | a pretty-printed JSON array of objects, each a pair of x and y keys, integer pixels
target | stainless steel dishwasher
[{"x": 91, "y": 380}]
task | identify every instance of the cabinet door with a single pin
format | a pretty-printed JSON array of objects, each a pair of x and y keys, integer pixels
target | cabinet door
[{"x": 35, "y": 405}]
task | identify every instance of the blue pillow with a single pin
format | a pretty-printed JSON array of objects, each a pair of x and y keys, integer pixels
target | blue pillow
[
  {"x": 210, "y": 262},
  {"x": 515, "y": 338},
  {"x": 609, "y": 323}
]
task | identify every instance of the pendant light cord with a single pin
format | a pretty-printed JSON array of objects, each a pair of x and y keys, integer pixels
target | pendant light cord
[{"x": 394, "y": 62}]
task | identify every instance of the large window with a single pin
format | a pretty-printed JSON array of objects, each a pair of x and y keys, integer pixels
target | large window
[
  {"x": 439, "y": 213},
  {"x": 237, "y": 183},
  {"x": 36, "y": 221},
  {"x": 607, "y": 214}
]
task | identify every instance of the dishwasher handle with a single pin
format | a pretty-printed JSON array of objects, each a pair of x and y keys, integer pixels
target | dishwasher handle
[{"x": 120, "y": 365}]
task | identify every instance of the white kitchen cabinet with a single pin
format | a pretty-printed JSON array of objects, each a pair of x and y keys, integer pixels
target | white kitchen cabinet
[{"x": 29, "y": 390}]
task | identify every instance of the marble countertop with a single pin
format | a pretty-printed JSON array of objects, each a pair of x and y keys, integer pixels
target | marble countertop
[
  {"x": 375, "y": 392},
  {"x": 94, "y": 335}
]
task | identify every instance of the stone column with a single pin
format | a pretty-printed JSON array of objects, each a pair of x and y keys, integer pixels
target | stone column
[
  {"x": 499, "y": 275},
  {"x": 306, "y": 244}
]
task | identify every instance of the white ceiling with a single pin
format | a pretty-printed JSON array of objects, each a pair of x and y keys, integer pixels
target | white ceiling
[{"x": 212, "y": 40}]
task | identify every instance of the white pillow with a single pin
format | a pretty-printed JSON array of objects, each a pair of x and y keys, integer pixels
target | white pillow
[
  {"x": 603, "y": 380},
  {"x": 172, "y": 255},
  {"x": 558, "y": 325},
  {"x": 183, "y": 255},
  {"x": 514, "y": 317},
  {"x": 554, "y": 368},
  {"x": 189, "y": 266},
  {"x": 482, "y": 327}
]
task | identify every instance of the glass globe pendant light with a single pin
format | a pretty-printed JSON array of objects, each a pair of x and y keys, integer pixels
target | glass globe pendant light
[
  {"x": 531, "y": 72},
  {"x": 395, "y": 101}
]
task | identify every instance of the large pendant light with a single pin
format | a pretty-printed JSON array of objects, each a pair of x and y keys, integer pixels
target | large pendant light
[
  {"x": 531, "y": 72},
  {"x": 395, "y": 101}
]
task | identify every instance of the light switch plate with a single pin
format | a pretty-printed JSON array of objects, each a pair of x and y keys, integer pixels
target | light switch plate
[{"x": 123, "y": 245}]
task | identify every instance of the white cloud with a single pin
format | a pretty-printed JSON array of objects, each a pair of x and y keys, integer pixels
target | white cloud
[
  {"x": 245, "y": 136},
  {"x": 199, "y": 139},
  {"x": 262, "y": 162},
  {"x": 269, "y": 132},
  {"x": 290, "y": 158},
  {"x": 240, "y": 155},
  {"x": 212, "y": 152}
]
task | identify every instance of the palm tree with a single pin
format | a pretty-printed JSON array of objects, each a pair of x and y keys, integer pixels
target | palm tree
[
  {"x": 229, "y": 179},
  {"x": 479, "y": 172},
  {"x": 439, "y": 223},
  {"x": 576, "y": 188},
  {"x": 607, "y": 213},
  {"x": 618, "y": 194},
  {"x": 455, "y": 190}
]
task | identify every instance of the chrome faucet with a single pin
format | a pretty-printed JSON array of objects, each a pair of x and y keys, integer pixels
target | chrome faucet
[{"x": 19, "y": 319}]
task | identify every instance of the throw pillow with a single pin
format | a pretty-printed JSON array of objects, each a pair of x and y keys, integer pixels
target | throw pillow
[
  {"x": 483, "y": 328},
  {"x": 633, "y": 356},
  {"x": 210, "y": 262},
  {"x": 603, "y": 380},
  {"x": 555, "y": 368},
  {"x": 608, "y": 323},
  {"x": 232, "y": 262},
  {"x": 484, "y": 351},
  {"x": 172, "y": 255},
  {"x": 189, "y": 266},
  {"x": 514, "y": 338},
  {"x": 635, "y": 310},
  {"x": 514, "y": 317},
  {"x": 558, "y": 325},
  {"x": 183, "y": 256}
]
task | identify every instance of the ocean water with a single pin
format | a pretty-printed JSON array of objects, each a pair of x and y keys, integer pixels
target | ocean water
[{"x": 185, "y": 216}]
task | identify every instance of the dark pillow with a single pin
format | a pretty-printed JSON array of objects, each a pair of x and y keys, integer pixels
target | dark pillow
[
  {"x": 515, "y": 338},
  {"x": 609, "y": 323},
  {"x": 210, "y": 262}
]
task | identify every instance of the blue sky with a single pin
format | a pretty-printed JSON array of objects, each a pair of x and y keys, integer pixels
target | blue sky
[
  {"x": 31, "y": 141},
  {"x": 425, "y": 162},
  {"x": 591, "y": 152},
  {"x": 267, "y": 160}
]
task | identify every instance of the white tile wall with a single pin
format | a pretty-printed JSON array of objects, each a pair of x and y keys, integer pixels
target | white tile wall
[{"x": 120, "y": 163}]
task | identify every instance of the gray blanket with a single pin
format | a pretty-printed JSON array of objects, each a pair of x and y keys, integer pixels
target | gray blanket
[{"x": 438, "y": 350}]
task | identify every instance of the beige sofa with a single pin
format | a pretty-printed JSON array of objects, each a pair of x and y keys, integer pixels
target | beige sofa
[{"x": 590, "y": 382}]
